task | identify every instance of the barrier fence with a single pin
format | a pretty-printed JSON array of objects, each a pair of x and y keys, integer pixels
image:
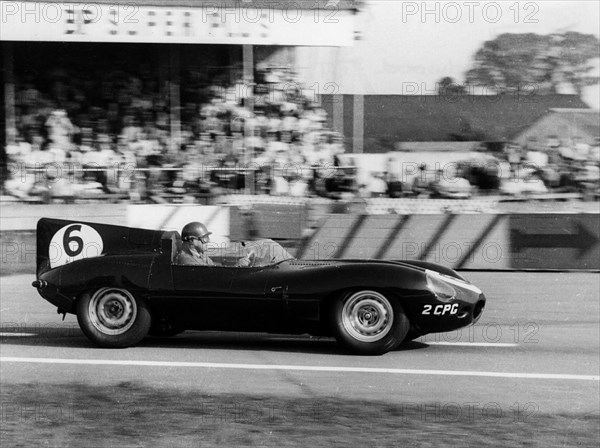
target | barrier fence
[
  {"x": 479, "y": 242},
  {"x": 69, "y": 181},
  {"x": 462, "y": 241}
]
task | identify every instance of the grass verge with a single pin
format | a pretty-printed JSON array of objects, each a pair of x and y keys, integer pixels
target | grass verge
[{"x": 133, "y": 415}]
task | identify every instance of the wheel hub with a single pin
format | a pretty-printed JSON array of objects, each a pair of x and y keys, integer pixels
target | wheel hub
[
  {"x": 112, "y": 310},
  {"x": 115, "y": 310},
  {"x": 367, "y": 316}
]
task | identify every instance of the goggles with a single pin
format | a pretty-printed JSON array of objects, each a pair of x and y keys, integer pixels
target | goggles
[{"x": 203, "y": 239}]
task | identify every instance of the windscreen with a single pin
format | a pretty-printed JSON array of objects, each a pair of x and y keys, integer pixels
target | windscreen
[{"x": 267, "y": 252}]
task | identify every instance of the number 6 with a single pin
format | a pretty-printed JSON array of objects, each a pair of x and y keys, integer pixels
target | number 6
[{"x": 68, "y": 239}]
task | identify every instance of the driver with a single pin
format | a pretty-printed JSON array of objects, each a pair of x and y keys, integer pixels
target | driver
[{"x": 195, "y": 237}]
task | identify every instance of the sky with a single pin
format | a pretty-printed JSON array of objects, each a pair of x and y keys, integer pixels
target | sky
[{"x": 406, "y": 50}]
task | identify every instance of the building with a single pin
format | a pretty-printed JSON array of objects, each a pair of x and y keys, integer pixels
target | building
[
  {"x": 378, "y": 123},
  {"x": 566, "y": 125}
]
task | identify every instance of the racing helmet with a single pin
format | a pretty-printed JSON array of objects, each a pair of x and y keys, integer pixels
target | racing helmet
[{"x": 194, "y": 229}]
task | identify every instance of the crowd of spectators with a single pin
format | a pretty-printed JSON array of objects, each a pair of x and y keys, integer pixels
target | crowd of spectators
[
  {"x": 119, "y": 138},
  {"x": 552, "y": 167},
  {"x": 75, "y": 140}
]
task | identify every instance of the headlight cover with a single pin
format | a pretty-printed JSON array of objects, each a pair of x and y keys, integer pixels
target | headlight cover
[{"x": 437, "y": 285}]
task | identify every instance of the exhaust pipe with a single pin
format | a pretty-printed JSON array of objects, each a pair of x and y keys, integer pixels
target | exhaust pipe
[{"x": 39, "y": 284}]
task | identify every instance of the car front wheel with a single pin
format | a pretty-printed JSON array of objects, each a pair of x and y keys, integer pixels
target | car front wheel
[
  {"x": 113, "y": 317},
  {"x": 369, "y": 323}
]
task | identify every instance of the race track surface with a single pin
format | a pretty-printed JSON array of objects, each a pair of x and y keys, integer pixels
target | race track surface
[{"x": 527, "y": 374}]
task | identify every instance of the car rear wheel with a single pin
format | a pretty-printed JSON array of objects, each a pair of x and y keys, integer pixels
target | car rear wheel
[
  {"x": 369, "y": 323},
  {"x": 113, "y": 317}
]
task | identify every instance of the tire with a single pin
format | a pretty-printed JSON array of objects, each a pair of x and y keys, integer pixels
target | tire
[
  {"x": 113, "y": 317},
  {"x": 368, "y": 323},
  {"x": 411, "y": 336}
]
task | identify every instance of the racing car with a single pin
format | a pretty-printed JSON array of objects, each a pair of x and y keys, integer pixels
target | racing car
[{"x": 124, "y": 284}]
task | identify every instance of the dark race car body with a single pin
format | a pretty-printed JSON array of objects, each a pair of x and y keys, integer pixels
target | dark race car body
[{"x": 122, "y": 283}]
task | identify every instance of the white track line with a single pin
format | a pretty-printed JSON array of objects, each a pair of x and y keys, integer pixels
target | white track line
[
  {"x": 15, "y": 335},
  {"x": 472, "y": 344},
  {"x": 216, "y": 365}
]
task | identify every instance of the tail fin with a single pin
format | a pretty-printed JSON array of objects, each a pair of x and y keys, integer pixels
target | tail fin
[{"x": 62, "y": 241}]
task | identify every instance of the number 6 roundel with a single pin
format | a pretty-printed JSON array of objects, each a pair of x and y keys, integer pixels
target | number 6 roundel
[{"x": 74, "y": 242}]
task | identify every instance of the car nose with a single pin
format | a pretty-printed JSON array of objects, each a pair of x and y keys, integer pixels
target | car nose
[{"x": 478, "y": 308}]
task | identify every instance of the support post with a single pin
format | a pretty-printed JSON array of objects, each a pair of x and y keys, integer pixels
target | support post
[
  {"x": 174, "y": 98},
  {"x": 358, "y": 122},
  {"x": 10, "y": 123}
]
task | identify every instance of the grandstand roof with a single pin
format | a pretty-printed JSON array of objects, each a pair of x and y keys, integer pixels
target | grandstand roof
[{"x": 275, "y": 4}]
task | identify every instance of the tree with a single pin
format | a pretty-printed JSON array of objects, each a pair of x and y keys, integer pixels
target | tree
[
  {"x": 576, "y": 52},
  {"x": 447, "y": 86},
  {"x": 514, "y": 61}
]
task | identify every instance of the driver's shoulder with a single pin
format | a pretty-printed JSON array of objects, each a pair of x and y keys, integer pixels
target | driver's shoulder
[{"x": 186, "y": 259}]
